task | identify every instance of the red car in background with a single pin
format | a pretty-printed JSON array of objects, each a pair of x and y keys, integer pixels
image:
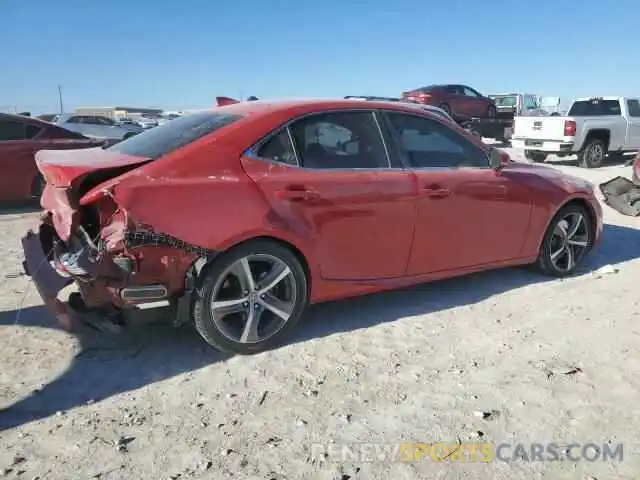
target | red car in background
[
  {"x": 242, "y": 215},
  {"x": 460, "y": 101},
  {"x": 20, "y": 139}
]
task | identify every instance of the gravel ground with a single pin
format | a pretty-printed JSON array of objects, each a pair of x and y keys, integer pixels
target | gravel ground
[{"x": 547, "y": 361}]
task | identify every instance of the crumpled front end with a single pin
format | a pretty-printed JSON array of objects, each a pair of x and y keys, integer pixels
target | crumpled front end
[{"x": 116, "y": 262}]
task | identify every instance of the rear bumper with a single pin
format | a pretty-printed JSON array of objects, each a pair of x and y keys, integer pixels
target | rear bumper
[
  {"x": 47, "y": 280},
  {"x": 550, "y": 146}
]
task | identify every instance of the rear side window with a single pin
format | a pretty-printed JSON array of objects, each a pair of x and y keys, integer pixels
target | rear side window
[
  {"x": 634, "y": 107},
  {"x": 279, "y": 149},
  {"x": 32, "y": 131},
  {"x": 11, "y": 130},
  {"x": 166, "y": 138},
  {"x": 595, "y": 108}
]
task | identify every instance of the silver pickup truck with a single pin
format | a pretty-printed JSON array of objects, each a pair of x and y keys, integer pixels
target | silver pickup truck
[{"x": 593, "y": 128}]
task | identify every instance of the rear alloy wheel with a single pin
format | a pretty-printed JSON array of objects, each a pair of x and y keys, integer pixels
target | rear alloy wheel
[
  {"x": 251, "y": 298},
  {"x": 567, "y": 242},
  {"x": 593, "y": 154}
]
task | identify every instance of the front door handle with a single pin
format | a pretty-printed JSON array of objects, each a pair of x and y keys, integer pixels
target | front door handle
[
  {"x": 436, "y": 192},
  {"x": 295, "y": 195}
]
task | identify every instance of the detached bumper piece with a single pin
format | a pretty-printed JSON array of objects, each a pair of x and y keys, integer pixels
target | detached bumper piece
[
  {"x": 47, "y": 280},
  {"x": 622, "y": 195}
]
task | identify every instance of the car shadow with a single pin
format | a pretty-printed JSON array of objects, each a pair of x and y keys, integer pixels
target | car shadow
[{"x": 150, "y": 350}]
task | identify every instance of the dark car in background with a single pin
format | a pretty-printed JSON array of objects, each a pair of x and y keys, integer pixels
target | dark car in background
[
  {"x": 460, "y": 101},
  {"x": 20, "y": 138}
]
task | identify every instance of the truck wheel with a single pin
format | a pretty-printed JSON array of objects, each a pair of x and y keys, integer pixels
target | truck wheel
[
  {"x": 593, "y": 154},
  {"x": 537, "y": 157}
]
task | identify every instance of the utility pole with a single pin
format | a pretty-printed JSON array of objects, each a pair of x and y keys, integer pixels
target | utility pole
[{"x": 60, "y": 99}]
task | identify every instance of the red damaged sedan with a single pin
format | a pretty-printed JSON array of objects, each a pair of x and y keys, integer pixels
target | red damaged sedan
[{"x": 243, "y": 215}]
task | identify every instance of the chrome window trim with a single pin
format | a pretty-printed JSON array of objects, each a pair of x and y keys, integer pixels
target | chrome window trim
[
  {"x": 252, "y": 151},
  {"x": 444, "y": 123}
]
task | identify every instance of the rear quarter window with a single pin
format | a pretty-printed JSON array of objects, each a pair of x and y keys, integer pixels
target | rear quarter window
[{"x": 177, "y": 133}]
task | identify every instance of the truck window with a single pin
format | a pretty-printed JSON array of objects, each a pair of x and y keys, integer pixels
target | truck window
[
  {"x": 634, "y": 107},
  {"x": 530, "y": 102},
  {"x": 594, "y": 108}
]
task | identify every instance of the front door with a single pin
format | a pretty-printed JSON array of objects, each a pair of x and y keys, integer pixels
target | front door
[
  {"x": 467, "y": 214},
  {"x": 337, "y": 191}
]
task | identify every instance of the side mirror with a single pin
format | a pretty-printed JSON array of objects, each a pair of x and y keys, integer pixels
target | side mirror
[{"x": 496, "y": 159}]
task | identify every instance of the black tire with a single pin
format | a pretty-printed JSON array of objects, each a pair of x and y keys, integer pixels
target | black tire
[
  {"x": 446, "y": 108},
  {"x": 592, "y": 154},
  {"x": 549, "y": 245},
  {"x": 37, "y": 187},
  {"x": 538, "y": 157},
  {"x": 491, "y": 112},
  {"x": 202, "y": 313}
]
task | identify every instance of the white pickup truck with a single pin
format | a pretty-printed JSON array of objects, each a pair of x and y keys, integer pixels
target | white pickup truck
[{"x": 592, "y": 129}]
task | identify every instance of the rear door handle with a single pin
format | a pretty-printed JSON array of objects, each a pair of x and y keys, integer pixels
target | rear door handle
[
  {"x": 436, "y": 192},
  {"x": 295, "y": 195}
]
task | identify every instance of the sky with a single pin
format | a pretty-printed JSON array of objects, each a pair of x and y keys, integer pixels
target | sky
[{"x": 181, "y": 54}]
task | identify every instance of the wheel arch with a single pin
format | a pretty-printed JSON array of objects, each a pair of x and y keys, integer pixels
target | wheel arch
[
  {"x": 582, "y": 202},
  {"x": 294, "y": 249},
  {"x": 603, "y": 134}
]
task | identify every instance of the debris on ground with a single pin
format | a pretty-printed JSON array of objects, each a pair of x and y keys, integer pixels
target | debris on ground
[
  {"x": 488, "y": 415},
  {"x": 605, "y": 270}
]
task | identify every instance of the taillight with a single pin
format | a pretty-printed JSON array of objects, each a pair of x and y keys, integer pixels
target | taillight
[{"x": 569, "y": 128}]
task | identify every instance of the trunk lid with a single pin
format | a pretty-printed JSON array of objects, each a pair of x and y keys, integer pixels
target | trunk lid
[
  {"x": 68, "y": 168},
  {"x": 540, "y": 128}
]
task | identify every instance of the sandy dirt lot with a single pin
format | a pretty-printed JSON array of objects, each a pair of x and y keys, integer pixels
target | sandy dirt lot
[{"x": 547, "y": 361}]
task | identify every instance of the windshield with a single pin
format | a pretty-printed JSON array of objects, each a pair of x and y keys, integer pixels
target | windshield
[
  {"x": 170, "y": 136},
  {"x": 594, "y": 108},
  {"x": 506, "y": 101}
]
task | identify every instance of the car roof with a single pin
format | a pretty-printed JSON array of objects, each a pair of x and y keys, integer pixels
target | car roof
[
  {"x": 265, "y": 107},
  {"x": 24, "y": 119}
]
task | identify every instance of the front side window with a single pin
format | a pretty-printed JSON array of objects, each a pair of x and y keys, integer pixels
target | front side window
[
  {"x": 11, "y": 130},
  {"x": 469, "y": 92},
  {"x": 430, "y": 144},
  {"x": 339, "y": 140},
  {"x": 279, "y": 149},
  {"x": 76, "y": 119},
  {"x": 166, "y": 138}
]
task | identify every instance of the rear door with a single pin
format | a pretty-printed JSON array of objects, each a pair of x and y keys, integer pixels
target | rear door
[
  {"x": 329, "y": 180},
  {"x": 633, "y": 131},
  {"x": 467, "y": 213}
]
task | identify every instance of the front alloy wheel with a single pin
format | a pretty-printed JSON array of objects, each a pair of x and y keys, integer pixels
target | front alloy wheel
[
  {"x": 567, "y": 242},
  {"x": 251, "y": 298}
]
